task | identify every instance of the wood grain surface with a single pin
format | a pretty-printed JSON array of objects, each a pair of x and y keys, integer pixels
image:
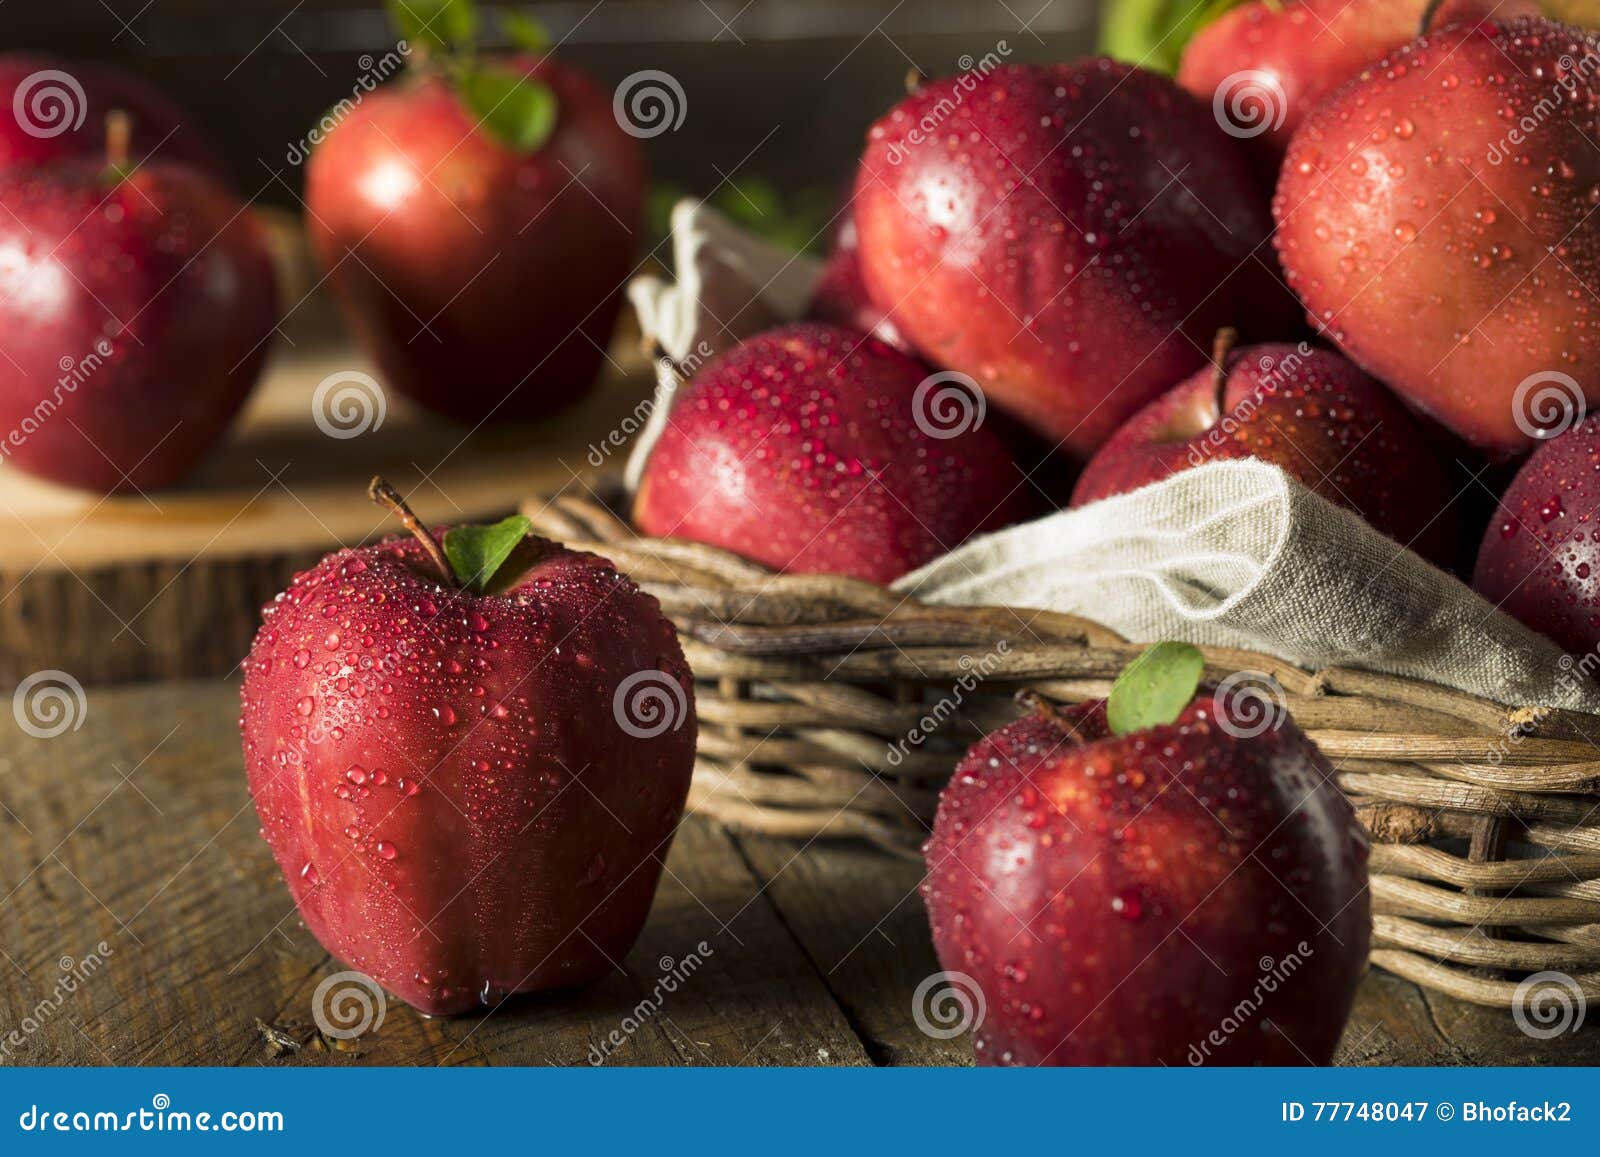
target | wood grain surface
[{"x": 128, "y": 850}]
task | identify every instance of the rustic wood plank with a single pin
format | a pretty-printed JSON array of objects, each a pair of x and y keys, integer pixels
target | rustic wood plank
[
  {"x": 136, "y": 830},
  {"x": 857, "y": 913}
]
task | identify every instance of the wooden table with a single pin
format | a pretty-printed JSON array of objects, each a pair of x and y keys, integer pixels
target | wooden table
[{"x": 135, "y": 830}]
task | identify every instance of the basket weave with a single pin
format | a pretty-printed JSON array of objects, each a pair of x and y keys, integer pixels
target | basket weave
[{"x": 1485, "y": 821}]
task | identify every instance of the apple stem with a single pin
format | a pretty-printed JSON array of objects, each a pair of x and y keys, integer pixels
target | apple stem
[
  {"x": 119, "y": 131},
  {"x": 1221, "y": 346},
  {"x": 1428, "y": 13},
  {"x": 915, "y": 79},
  {"x": 389, "y": 498},
  {"x": 1047, "y": 711}
]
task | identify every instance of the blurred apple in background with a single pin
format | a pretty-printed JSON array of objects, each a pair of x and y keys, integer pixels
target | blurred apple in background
[
  {"x": 478, "y": 217},
  {"x": 52, "y": 108},
  {"x": 136, "y": 303}
]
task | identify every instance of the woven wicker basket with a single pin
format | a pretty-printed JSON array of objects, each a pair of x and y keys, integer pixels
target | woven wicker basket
[{"x": 1485, "y": 821}]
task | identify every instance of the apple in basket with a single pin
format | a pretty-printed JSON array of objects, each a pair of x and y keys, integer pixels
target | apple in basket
[
  {"x": 1164, "y": 877},
  {"x": 820, "y": 449},
  {"x": 1540, "y": 558},
  {"x": 478, "y": 219},
  {"x": 1069, "y": 235},
  {"x": 469, "y": 760},
  {"x": 1309, "y": 411},
  {"x": 1266, "y": 64},
  {"x": 1437, "y": 217}
]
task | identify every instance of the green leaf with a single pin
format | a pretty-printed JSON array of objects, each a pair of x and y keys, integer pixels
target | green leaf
[
  {"x": 1154, "y": 689},
  {"x": 525, "y": 30},
  {"x": 1153, "y": 33},
  {"x": 445, "y": 25},
  {"x": 477, "y": 552},
  {"x": 518, "y": 111}
]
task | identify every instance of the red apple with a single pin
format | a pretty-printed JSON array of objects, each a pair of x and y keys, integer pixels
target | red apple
[
  {"x": 1540, "y": 558},
  {"x": 135, "y": 312},
  {"x": 483, "y": 275},
  {"x": 470, "y": 789},
  {"x": 841, "y": 297},
  {"x": 1437, "y": 217},
  {"x": 1266, "y": 64},
  {"x": 820, "y": 449},
  {"x": 1188, "y": 893},
  {"x": 1309, "y": 411},
  {"x": 1068, "y": 235}
]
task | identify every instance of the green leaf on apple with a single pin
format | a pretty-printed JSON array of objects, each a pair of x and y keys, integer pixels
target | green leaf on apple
[
  {"x": 525, "y": 30},
  {"x": 1154, "y": 689},
  {"x": 477, "y": 552},
  {"x": 1152, "y": 33},
  {"x": 444, "y": 25},
  {"x": 518, "y": 111}
]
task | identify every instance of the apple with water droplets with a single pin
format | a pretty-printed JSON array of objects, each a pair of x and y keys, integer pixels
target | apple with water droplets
[
  {"x": 1164, "y": 877},
  {"x": 1540, "y": 557},
  {"x": 469, "y": 761},
  {"x": 1309, "y": 411},
  {"x": 1267, "y": 64},
  {"x": 1438, "y": 219},
  {"x": 1068, "y": 235},
  {"x": 818, "y": 449}
]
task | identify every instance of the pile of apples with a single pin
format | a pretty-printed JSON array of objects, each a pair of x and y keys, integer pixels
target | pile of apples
[{"x": 1356, "y": 238}]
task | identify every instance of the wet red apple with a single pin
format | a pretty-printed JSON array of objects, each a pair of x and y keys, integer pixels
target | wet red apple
[
  {"x": 819, "y": 449},
  {"x": 1540, "y": 558},
  {"x": 136, "y": 309},
  {"x": 483, "y": 277},
  {"x": 1068, "y": 235},
  {"x": 1267, "y": 64},
  {"x": 469, "y": 776},
  {"x": 1310, "y": 411},
  {"x": 1437, "y": 217},
  {"x": 1188, "y": 893}
]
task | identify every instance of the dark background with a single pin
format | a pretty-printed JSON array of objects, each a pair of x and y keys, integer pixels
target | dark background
[{"x": 779, "y": 90}]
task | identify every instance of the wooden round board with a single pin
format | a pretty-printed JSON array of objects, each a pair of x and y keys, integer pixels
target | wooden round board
[{"x": 170, "y": 584}]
